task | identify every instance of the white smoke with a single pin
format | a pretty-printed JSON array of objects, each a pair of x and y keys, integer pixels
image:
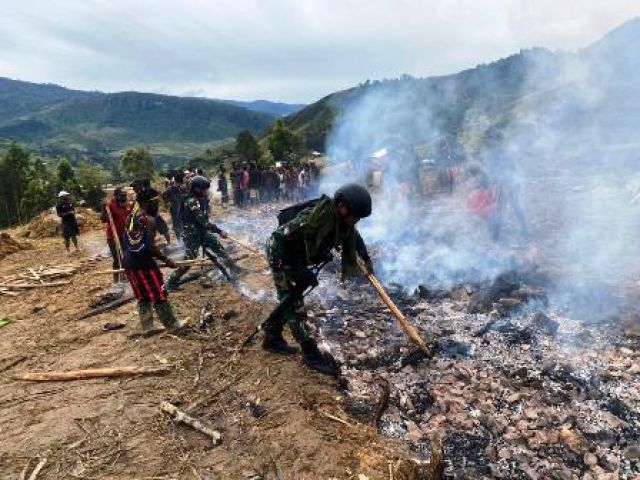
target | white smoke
[{"x": 557, "y": 133}]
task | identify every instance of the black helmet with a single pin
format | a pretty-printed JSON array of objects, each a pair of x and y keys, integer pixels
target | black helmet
[
  {"x": 356, "y": 198},
  {"x": 200, "y": 182}
]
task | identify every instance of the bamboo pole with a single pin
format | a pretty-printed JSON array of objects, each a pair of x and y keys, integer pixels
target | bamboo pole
[
  {"x": 407, "y": 327},
  {"x": 91, "y": 373}
]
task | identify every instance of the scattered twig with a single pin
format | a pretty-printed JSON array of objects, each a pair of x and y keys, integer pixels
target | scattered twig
[
  {"x": 36, "y": 470},
  {"x": 336, "y": 419},
  {"x": 194, "y": 423},
  {"x": 12, "y": 363}
]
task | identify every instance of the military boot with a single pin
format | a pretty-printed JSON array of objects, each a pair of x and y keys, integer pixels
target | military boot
[
  {"x": 273, "y": 341},
  {"x": 322, "y": 362}
]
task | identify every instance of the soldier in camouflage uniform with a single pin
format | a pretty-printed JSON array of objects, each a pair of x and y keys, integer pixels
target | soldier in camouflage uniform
[
  {"x": 198, "y": 231},
  {"x": 307, "y": 240}
]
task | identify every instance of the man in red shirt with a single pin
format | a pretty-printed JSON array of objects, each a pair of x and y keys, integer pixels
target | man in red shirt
[{"x": 119, "y": 207}]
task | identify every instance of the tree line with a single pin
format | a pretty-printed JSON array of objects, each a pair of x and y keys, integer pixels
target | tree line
[
  {"x": 30, "y": 184},
  {"x": 280, "y": 145}
]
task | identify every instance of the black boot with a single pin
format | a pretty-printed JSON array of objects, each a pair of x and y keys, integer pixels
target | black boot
[
  {"x": 322, "y": 362},
  {"x": 274, "y": 342}
]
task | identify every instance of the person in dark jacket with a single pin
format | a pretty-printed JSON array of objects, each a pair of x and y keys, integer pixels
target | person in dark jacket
[
  {"x": 174, "y": 195},
  {"x": 67, "y": 213},
  {"x": 307, "y": 240}
]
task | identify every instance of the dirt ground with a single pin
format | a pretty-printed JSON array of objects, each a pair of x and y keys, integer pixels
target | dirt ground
[{"x": 274, "y": 415}]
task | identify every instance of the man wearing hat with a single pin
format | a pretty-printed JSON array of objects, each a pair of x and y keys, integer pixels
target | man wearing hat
[{"x": 67, "y": 213}]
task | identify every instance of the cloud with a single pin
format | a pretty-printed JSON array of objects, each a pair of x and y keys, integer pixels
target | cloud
[{"x": 280, "y": 49}]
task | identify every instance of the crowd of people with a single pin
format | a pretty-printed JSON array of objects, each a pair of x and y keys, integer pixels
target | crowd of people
[{"x": 250, "y": 184}]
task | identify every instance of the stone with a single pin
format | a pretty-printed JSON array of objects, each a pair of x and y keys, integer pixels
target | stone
[
  {"x": 504, "y": 453},
  {"x": 632, "y": 452},
  {"x": 530, "y": 413},
  {"x": 590, "y": 459}
]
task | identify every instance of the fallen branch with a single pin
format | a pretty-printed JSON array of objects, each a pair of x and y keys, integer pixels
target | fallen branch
[
  {"x": 107, "y": 306},
  {"x": 34, "y": 285},
  {"x": 194, "y": 423},
  {"x": 91, "y": 373}
]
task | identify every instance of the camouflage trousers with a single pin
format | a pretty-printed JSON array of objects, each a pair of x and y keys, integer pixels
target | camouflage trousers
[
  {"x": 193, "y": 241},
  {"x": 295, "y": 316}
]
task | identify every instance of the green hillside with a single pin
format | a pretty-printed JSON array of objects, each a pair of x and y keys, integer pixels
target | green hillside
[{"x": 58, "y": 121}]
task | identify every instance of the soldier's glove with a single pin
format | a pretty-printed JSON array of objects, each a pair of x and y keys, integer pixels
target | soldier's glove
[{"x": 305, "y": 278}]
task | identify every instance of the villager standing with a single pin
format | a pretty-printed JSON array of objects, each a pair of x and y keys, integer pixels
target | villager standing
[
  {"x": 223, "y": 187},
  {"x": 174, "y": 195},
  {"x": 140, "y": 254},
  {"x": 114, "y": 215},
  {"x": 245, "y": 192},
  {"x": 307, "y": 240},
  {"x": 235, "y": 177},
  {"x": 67, "y": 213},
  {"x": 198, "y": 229}
]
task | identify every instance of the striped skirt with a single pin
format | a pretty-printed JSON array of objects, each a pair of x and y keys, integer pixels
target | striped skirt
[{"x": 147, "y": 284}]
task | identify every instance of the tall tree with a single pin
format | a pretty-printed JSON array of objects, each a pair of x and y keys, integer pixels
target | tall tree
[
  {"x": 137, "y": 163},
  {"x": 284, "y": 144},
  {"x": 91, "y": 180},
  {"x": 14, "y": 172},
  {"x": 67, "y": 178},
  {"x": 41, "y": 190},
  {"x": 247, "y": 147}
]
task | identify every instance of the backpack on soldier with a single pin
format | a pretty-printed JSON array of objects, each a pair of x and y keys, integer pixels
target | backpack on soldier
[{"x": 289, "y": 213}]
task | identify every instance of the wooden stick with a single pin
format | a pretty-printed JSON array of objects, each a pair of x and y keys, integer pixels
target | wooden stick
[
  {"x": 409, "y": 329},
  {"x": 198, "y": 261},
  {"x": 114, "y": 233},
  {"x": 36, "y": 470},
  {"x": 34, "y": 285},
  {"x": 91, "y": 373},
  {"x": 194, "y": 423},
  {"x": 245, "y": 245}
]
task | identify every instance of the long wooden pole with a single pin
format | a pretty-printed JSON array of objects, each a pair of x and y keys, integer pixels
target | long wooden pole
[
  {"x": 92, "y": 373},
  {"x": 197, "y": 261},
  {"x": 408, "y": 328},
  {"x": 114, "y": 232}
]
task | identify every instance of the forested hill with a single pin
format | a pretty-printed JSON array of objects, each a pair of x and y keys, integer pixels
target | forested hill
[
  {"x": 54, "y": 120},
  {"x": 530, "y": 83}
]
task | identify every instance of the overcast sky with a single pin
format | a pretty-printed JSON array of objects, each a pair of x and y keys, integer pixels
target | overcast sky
[{"x": 289, "y": 50}]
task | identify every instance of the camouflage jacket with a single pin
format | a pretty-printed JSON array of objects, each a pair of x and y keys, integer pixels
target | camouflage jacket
[
  {"x": 312, "y": 234},
  {"x": 195, "y": 215}
]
